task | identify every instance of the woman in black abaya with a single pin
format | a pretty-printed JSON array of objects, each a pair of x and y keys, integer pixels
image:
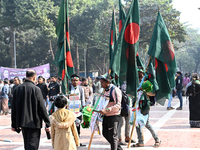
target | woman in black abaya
[{"x": 193, "y": 91}]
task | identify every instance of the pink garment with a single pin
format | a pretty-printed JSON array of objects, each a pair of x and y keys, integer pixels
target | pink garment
[
  {"x": 115, "y": 107},
  {"x": 186, "y": 80}
]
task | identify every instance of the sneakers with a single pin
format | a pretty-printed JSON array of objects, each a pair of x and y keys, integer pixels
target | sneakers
[
  {"x": 170, "y": 108},
  {"x": 82, "y": 145},
  {"x": 179, "y": 108}
]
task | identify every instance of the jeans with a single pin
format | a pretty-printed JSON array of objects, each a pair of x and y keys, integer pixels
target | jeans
[
  {"x": 127, "y": 126},
  {"x": 179, "y": 93},
  {"x": 170, "y": 100},
  {"x": 150, "y": 128}
]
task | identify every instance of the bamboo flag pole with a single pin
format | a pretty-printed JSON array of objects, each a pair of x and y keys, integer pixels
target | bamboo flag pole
[
  {"x": 91, "y": 140},
  {"x": 65, "y": 42},
  {"x": 129, "y": 143}
]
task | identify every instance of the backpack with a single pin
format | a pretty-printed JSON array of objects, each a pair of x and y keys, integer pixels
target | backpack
[{"x": 124, "y": 102}]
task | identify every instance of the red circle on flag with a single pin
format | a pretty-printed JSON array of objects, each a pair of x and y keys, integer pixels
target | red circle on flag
[
  {"x": 127, "y": 53},
  {"x": 111, "y": 38},
  {"x": 69, "y": 59},
  {"x": 120, "y": 25},
  {"x": 171, "y": 49},
  {"x": 156, "y": 63},
  {"x": 131, "y": 34},
  {"x": 68, "y": 40},
  {"x": 166, "y": 67}
]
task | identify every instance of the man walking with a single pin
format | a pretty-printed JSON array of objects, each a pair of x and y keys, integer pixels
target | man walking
[
  {"x": 43, "y": 87},
  {"x": 54, "y": 89},
  {"x": 4, "y": 97},
  {"x": 111, "y": 112},
  {"x": 28, "y": 112},
  {"x": 87, "y": 90},
  {"x": 179, "y": 87},
  {"x": 74, "y": 88},
  {"x": 97, "y": 86}
]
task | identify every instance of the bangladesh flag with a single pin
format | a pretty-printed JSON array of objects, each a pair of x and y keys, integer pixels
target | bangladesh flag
[
  {"x": 139, "y": 61},
  {"x": 161, "y": 49},
  {"x": 122, "y": 15},
  {"x": 113, "y": 36},
  {"x": 152, "y": 74},
  {"x": 112, "y": 42},
  {"x": 63, "y": 57},
  {"x": 124, "y": 61}
]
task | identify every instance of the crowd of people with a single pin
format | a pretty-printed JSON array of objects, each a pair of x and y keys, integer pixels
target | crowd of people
[{"x": 30, "y": 100}]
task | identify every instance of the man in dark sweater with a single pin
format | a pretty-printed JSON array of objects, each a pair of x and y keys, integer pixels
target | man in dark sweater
[
  {"x": 28, "y": 112},
  {"x": 179, "y": 87},
  {"x": 43, "y": 88},
  {"x": 54, "y": 89}
]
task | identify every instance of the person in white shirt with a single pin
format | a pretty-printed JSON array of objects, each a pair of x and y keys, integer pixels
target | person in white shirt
[{"x": 74, "y": 88}]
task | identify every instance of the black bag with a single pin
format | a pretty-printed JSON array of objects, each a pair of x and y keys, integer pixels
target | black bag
[{"x": 124, "y": 102}]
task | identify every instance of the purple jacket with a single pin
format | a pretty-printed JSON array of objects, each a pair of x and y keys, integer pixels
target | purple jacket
[{"x": 186, "y": 80}]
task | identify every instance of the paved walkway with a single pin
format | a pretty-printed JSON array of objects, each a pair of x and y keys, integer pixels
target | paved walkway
[{"x": 172, "y": 128}]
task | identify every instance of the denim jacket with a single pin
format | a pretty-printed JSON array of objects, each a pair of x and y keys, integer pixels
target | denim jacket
[{"x": 5, "y": 91}]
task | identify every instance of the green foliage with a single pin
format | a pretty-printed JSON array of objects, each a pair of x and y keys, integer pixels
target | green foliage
[
  {"x": 34, "y": 22},
  {"x": 188, "y": 58}
]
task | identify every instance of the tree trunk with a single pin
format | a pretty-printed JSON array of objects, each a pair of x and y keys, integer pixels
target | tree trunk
[
  {"x": 55, "y": 68},
  {"x": 87, "y": 61},
  {"x": 93, "y": 61},
  {"x": 12, "y": 48},
  {"x": 77, "y": 60},
  {"x": 104, "y": 63},
  {"x": 51, "y": 50}
]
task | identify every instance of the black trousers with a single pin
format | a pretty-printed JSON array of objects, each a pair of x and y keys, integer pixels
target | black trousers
[
  {"x": 110, "y": 125},
  {"x": 31, "y": 138},
  {"x": 79, "y": 126}
]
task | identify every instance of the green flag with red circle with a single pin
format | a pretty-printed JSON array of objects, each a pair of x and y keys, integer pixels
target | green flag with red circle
[
  {"x": 161, "y": 49},
  {"x": 124, "y": 61},
  {"x": 63, "y": 58},
  {"x": 113, "y": 36},
  {"x": 122, "y": 15}
]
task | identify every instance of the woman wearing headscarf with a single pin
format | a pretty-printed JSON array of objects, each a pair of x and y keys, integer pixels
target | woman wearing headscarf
[{"x": 193, "y": 91}]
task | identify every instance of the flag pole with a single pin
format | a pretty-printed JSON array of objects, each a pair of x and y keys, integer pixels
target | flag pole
[
  {"x": 92, "y": 137},
  {"x": 129, "y": 143},
  {"x": 91, "y": 140},
  {"x": 65, "y": 42}
]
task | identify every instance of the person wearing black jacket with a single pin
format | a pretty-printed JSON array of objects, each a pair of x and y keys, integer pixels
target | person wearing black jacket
[
  {"x": 43, "y": 88},
  {"x": 179, "y": 87},
  {"x": 28, "y": 112},
  {"x": 54, "y": 89}
]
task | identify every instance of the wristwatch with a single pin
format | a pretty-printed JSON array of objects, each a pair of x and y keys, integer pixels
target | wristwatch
[{"x": 107, "y": 109}]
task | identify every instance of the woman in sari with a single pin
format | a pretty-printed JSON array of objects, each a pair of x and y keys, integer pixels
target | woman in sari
[{"x": 193, "y": 91}]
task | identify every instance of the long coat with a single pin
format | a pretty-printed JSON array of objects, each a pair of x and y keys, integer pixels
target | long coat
[
  {"x": 28, "y": 108},
  {"x": 63, "y": 130}
]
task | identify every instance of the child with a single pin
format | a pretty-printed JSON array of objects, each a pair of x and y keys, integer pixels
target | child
[{"x": 63, "y": 130}]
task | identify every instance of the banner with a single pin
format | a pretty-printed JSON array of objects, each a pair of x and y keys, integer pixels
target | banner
[
  {"x": 96, "y": 117},
  {"x": 10, "y": 73}
]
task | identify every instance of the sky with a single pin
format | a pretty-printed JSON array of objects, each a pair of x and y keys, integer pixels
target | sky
[{"x": 189, "y": 12}]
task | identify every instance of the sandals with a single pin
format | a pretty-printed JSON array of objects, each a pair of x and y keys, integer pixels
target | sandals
[
  {"x": 132, "y": 141},
  {"x": 156, "y": 145},
  {"x": 122, "y": 143},
  {"x": 137, "y": 145}
]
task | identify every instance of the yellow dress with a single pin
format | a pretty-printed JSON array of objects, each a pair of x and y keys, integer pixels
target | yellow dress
[{"x": 63, "y": 130}]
